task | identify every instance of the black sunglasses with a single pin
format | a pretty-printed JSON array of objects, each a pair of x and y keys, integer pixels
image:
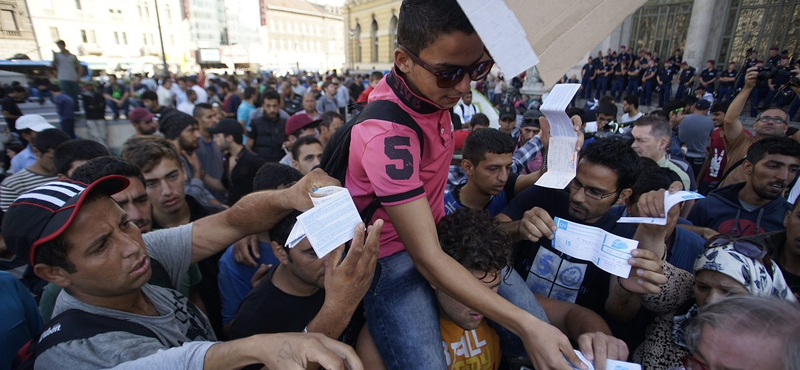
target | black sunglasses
[
  {"x": 748, "y": 248},
  {"x": 447, "y": 78}
]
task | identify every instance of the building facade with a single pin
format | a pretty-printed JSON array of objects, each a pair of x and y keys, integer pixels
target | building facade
[
  {"x": 16, "y": 30},
  {"x": 372, "y": 34},
  {"x": 302, "y": 36}
]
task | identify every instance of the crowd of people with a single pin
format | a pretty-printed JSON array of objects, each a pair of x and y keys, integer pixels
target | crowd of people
[{"x": 176, "y": 253}]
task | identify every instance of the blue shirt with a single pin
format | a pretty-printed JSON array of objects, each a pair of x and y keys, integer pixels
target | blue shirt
[
  {"x": 65, "y": 106},
  {"x": 234, "y": 279},
  {"x": 21, "y": 319},
  {"x": 23, "y": 159}
]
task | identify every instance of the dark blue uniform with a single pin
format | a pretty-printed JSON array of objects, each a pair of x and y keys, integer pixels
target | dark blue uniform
[
  {"x": 649, "y": 84},
  {"x": 708, "y": 75},
  {"x": 685, "y": 76},
  {"x": 634, "y": 80},
  {"x": 665, "y": 75},
  {"x": 602, "y": 76},
  {"x": 782, "y": 77},
  {"x": 586, "y": 82},
  {"x": 619, "y": 83},
  {"x": 748, "y": 63},
  {"x": 725, "y": 92}
]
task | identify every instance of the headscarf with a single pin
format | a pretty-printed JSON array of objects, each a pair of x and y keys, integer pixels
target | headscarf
[{"x": 757, "y": 278}]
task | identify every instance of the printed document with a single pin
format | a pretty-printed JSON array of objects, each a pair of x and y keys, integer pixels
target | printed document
[
  {"x": 330, "y": 223},
  {"x": 670, "y": 200},
  {"x": 562, "y": 159},
  {"x": 606, "y": 250}
]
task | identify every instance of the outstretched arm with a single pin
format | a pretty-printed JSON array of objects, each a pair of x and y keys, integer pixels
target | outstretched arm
[{"x": 732, "y": 125}]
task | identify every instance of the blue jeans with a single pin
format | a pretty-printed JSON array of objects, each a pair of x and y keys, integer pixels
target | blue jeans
[
  {"x": 116, "y": 108},
  {"x": 601, "y": 87},
  {"x": 68, "y": 126},
  {"x": 648, "y": 92},
  {"x": 633, "y": 88},
  {"x": 725, "y": 93},
  {"x": 403, "y": 316},
  {"x": 587, "y": 89},
  {"x": 664, "y": 95}
]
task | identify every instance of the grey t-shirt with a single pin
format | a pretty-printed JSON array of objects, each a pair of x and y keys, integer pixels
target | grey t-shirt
[
  {"x": 179, "y": 321},
  {"x": 65, "y": 66},
  {"x": 694, "y": 132}
]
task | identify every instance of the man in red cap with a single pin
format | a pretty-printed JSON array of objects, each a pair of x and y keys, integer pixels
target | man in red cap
[
  {"x": 297, "y": 126},
  {"x": 774, "y": 58},
  {"x": 76, "y": 236},
  {"x": 142, "y": 121}
]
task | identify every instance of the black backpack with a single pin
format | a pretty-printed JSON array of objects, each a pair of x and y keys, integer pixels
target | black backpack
[
  {"x": 71, "y": 325},
  {"x": 336, "y": 155}
]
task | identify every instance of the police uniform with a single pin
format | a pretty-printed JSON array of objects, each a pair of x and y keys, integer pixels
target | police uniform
[
  {"x": 619, "y": 82},
  {"x": 685, "y": 76},
  {"x": 666, "y": 75},
  {"x": 725, "y": 91},
  {"x": 586, "y": 82},
  {"x": 602, "y": 78},
  {"x": 634, "y": 80},
  {"x": 707, "y": 76},
  {"x": 748, "y": 63},
  {"x": 782, "y": 77},
  {"x": 649, "y": 84}
]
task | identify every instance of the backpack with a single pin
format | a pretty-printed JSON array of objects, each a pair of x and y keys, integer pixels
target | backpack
[
  {"x": 72, "y": 325},
  {"x": 336, "y": 154}
]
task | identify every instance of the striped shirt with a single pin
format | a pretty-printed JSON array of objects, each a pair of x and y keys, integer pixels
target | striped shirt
[{"x": 18, "y": 184}]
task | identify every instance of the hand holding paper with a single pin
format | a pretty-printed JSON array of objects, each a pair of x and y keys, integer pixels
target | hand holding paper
[
  {"x": 652, "y": 213},
  {"x": 562, "y": 157},
  {"x": 607, "y": 251},
  {"x": 329, "y": 224}
]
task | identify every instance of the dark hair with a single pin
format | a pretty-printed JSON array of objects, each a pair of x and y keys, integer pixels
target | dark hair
[
  {"x": 632, "y": 100},
  {"x": 280, "y": 232},
  {"x": 616, "y": 155},
  {"x": 421, "y": 22},
  {"x": 270, "y": 94},
  {"x": 305, "y": 140},
  {"x": 249, "y": 92},
  {"x": 146, "y": 152},
  {"x": 271, "y": 175},
  {"x": 49, "y": 139},
  {"x": 55, "y": 88},
  {"x": 649, "y": 177},
  {"x": 608, "y": 109},
  {"x": 771, "y": 145},
  {"x": 377, "y": 75},
  {"x": 474, "y": 240},
  {"x": 690, "y": 101},
  {"x": 326, "y": 84},
  {"x": 720, "y": 107},
  {"x": 18, "y": 89},
  {"x": 100, "y": 167},
  {"x": 190, "y": 91},
  {"x": 327, "y": 118},
  {"x": 199, "y": 108},
  {"x": 223, "y": 85},
  {"x": 571, "y": 112},
  {"x": 670, "y": 106},
  {"x": 480, "y": 142},
  {"x": 479, "y": 119},
  {"x": 149, "y": 95},
  {"x": 76, "y": 150},
  {"x": 605, "y": 99}
]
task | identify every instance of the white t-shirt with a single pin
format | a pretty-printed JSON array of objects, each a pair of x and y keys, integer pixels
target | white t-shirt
[
  {"x": 164, "y": 96},
  {"x": 202, "y": 95},
  {"x": 627, "y": 118}
]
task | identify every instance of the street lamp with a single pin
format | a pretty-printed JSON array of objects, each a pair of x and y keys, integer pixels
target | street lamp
[{"x": 161, "y": 39}]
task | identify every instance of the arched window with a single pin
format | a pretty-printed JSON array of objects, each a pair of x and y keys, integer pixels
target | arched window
[
  {"x": 374, "y": 38},
  {"x": 392, "y": 36},
  {"x": 358, "y": 43}
]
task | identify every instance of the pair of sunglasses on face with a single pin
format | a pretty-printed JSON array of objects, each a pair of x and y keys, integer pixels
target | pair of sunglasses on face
[{"x": 449, "y": 77}]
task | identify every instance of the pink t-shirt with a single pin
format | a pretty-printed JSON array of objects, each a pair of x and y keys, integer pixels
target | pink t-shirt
[{"x": 385, "y": 158}]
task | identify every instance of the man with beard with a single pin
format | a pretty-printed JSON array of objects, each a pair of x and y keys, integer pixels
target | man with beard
[
  {"x": 267, "y": 129},
  {"x": 181, "y": 130},
  {"x": 755, "y": 206}
]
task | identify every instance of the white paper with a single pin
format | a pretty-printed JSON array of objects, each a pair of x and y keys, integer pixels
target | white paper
[
  {"x": 502, "y": 33},
  {"x": 329, "y": 224},
  {"x": 606, "y": 250},
  {"x": 610, "y": 364},
  {"x": 562, "y": 159},
  {"x": 670, "y": 200}
]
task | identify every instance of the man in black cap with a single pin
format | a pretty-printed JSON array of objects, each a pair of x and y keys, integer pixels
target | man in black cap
[
  {"x": 529, "y": 130},
  {"x": 508, "y": 120},
  {"x": 182, "y": 130},
  {"x": 76, "y": 236},
  {"x": 240, "y": 164}
]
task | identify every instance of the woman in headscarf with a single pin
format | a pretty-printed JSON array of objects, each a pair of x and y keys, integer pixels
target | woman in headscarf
[{"x": 727, "y": 267}]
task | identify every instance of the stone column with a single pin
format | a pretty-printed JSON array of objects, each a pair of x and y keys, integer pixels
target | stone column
[{"x": 697, "y": 35}]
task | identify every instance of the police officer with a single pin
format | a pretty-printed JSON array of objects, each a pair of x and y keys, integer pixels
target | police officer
[
  {"x": 587, "y": 78},
  {"x": 634, "y": 78},
  {"x": 709, "y": 76},
  {"x": 774, "y": 58},
  {"x": 619, "y": 81},
  {"x": 726, "y": 81},
  {"x": 748, "y": 63},
  {"x": 676, "y": 60},
  {"x": 602, "y": 76},
  {"x": 759, "y": 94},
  {"x": 649, "y": 80},
  {"x": 664, "y": 79},
  {"x": 781, "y": 93},
  {"x": 686, "y": 80}
]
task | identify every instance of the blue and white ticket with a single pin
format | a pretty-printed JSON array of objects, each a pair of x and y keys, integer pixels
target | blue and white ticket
[
  {"x": 669, "y": 201},
  {"x": 606, "y": 250}
]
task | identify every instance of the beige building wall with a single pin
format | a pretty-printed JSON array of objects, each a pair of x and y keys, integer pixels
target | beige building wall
[
  {"x": 363, "y": 14},
  {"x": 16, "y": 31}
]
